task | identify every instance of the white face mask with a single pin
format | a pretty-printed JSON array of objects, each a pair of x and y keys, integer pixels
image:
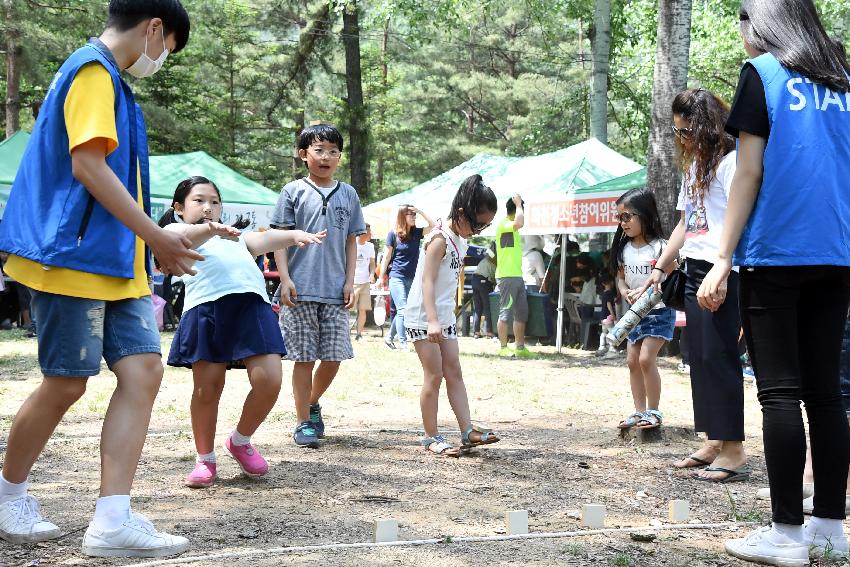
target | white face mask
[{"x": 144, "y": 65}]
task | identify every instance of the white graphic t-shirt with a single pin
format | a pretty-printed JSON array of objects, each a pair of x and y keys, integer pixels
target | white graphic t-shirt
[
  {"x": 638, "y": 263},
  {"x": 704, "y": 218}
]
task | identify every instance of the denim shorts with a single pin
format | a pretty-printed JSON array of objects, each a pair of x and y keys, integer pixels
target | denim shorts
[
  {"x": 74, "y": 333},
  {"x": 658, "y": 323}
]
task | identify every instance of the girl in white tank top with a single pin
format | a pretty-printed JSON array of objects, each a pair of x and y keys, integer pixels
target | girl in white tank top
[{"x": 430, "y": 315}]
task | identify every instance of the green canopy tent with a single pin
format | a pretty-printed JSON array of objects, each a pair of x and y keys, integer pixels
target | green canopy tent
[
  {"x": 564, "y": 191},
  {"x": 11, "y": 151},
  {"x": 240, "y": 195}
]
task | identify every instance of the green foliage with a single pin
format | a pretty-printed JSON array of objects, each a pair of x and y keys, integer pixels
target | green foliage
[{"x": 462, "y": 76}]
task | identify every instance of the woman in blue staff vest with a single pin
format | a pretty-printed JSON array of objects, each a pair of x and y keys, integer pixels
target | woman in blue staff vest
[{"x": 788, "y": 222}]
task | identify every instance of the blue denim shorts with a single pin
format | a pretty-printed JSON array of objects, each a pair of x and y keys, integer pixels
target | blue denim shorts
[
  {"x": 658, "y": 323},
  {"x": 74, "y": 333}
]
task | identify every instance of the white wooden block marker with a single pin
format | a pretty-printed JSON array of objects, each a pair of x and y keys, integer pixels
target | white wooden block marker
[
  {"x": 593, "y": 516},
  {"x": 386, "y": 530},
  {"x": 679, "y": 511},
  {"x": 517, "y": 521}
]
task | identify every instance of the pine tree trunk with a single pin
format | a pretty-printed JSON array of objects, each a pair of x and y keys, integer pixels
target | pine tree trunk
[
  {"x": 357, "y": 134},
  {"x": 671, "y": 77},
  {"x": 601, "y": 51},
  {"x": 13, "y": 71}
]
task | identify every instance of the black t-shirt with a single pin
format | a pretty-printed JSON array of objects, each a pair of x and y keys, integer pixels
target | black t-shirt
[{"x": 749, "y": 110}]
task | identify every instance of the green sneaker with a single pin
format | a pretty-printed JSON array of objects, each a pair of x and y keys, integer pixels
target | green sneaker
[
  {"x": 506, "y": 352},
  {"x": 524, "y": 353}
]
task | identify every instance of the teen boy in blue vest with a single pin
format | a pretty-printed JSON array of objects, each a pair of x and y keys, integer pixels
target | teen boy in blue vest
[{"x": 75, "y": 227}]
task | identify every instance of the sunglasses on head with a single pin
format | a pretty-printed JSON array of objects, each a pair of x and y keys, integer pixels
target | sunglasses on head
[{"x": 625, "y": 216}]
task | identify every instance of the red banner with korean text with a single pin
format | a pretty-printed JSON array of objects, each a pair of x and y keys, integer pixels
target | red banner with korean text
[{"x": 594, "y": 214}]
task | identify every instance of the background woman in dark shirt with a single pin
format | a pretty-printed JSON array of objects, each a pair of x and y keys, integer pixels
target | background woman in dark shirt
[{"x": 399, "y": 264}]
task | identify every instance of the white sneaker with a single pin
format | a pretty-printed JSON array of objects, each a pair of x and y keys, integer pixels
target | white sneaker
[
  {"x": 823, "y": 546},
  {"x": 808, "y": 491},
  {"x": 764, "y": 545},
  {"x": 809, "y": 504},
  {"x": 21, "y": 522},
  {"x": 135, "y": 538}
]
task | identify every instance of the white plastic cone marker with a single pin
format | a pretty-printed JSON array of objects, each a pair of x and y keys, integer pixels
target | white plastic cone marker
[
  {"x": 593, "y": 516},
  {"x": 517, "y": 521},
  {"x": 679, "y": 511},
  {"x": 386, "y": 530}
]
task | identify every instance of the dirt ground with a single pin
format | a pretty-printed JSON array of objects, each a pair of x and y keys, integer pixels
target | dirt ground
[{"x": 560, "y": 450}]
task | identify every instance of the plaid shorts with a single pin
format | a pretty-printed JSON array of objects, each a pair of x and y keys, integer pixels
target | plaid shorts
[
  {"x": 414, "y": 335},
  {"x": 316, "y": 331}
]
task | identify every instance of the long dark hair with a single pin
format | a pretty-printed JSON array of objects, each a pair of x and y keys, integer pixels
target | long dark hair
[
  {"x": 642, "y": 202},
  {"x": 474, "y": 198},
  {"x": 707, "y": 143},
  {"x": 792, "y": 31},
  {"x": 182, "y": 192}
]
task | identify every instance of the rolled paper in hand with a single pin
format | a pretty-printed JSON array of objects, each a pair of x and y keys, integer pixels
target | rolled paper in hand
[{"x": 650, "y": 298}]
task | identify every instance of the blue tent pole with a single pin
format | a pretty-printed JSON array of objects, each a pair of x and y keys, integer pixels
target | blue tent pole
[{"x": 562, "y": 278}]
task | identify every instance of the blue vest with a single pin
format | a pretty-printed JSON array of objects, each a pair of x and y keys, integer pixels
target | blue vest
[
  {"x": 802, "y": 213},
  {"x": 50, "y": 217}
]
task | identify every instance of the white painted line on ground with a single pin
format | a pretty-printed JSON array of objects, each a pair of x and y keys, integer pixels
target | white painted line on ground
[
  {"x": 239, "y": 554},
  {"x": 265, "y": 432}
]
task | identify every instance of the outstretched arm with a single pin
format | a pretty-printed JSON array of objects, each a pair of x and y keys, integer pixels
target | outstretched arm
[{"x": 260, "y": 243}]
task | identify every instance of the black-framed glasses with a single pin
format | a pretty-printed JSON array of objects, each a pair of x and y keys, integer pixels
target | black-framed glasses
[
  {"x": 625, "y": 216},
  {"x": 681, "y": 133}
]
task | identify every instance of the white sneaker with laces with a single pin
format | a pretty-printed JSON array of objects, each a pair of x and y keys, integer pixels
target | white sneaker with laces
[
  {"x": 835, "y": 547},
  {"x": 135, "y": 538},
  {"x": 21, "y": 522},
  {"x": 765, "y": 545}
]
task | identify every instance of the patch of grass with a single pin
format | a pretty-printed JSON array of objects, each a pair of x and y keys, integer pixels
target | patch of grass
[
  {"x": 573, "y": 549},
  {"x": 736, "y": 515},
  {"x": 623, "y": 560}
]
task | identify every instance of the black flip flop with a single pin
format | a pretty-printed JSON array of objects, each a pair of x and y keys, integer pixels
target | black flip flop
[
  {"x": 738, "y": 475},
  {"x": 699, "y": 463}
]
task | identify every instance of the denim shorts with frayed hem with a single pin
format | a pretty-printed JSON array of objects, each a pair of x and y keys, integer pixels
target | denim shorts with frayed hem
[
  {"x": 75, "y": 333},
  {"x": 658, "y": 323}
]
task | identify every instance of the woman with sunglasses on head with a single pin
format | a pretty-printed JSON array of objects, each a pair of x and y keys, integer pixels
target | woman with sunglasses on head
[
  {"x": 430, "y": 315},
  {"x": 788, "y": 223},
  {"x": 707, "y": 159},
  {"x": 399, "y": 264}
]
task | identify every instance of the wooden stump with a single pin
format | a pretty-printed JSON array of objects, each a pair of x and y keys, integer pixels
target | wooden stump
[{"x": 663, "y": 434}]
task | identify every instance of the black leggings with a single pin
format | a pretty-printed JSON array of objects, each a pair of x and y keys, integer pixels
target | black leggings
[
  {"x": 717, "y": 386},
  {"x": 793, "y": 318}
]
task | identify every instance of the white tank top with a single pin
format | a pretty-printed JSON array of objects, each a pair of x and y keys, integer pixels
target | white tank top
[{"x": 445, "y": 289}]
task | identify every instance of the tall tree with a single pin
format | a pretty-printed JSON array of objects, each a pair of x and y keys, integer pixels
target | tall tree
[
  {"x": 601, "y": 52},
  {"x": 13, "y": 69},
  {"x": 358, "y": 134},
  {"x": 673, "y": 40}
]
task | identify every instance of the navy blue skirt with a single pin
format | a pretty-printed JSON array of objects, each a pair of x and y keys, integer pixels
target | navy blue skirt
[{"x": 227, "y": 330}]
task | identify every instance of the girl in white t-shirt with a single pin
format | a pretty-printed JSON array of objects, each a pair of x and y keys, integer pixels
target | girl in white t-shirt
[
  {"x": 637, "y": 246},
  {"x": 227, "y": 317},
  {"x": 429, "y": 316}
]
